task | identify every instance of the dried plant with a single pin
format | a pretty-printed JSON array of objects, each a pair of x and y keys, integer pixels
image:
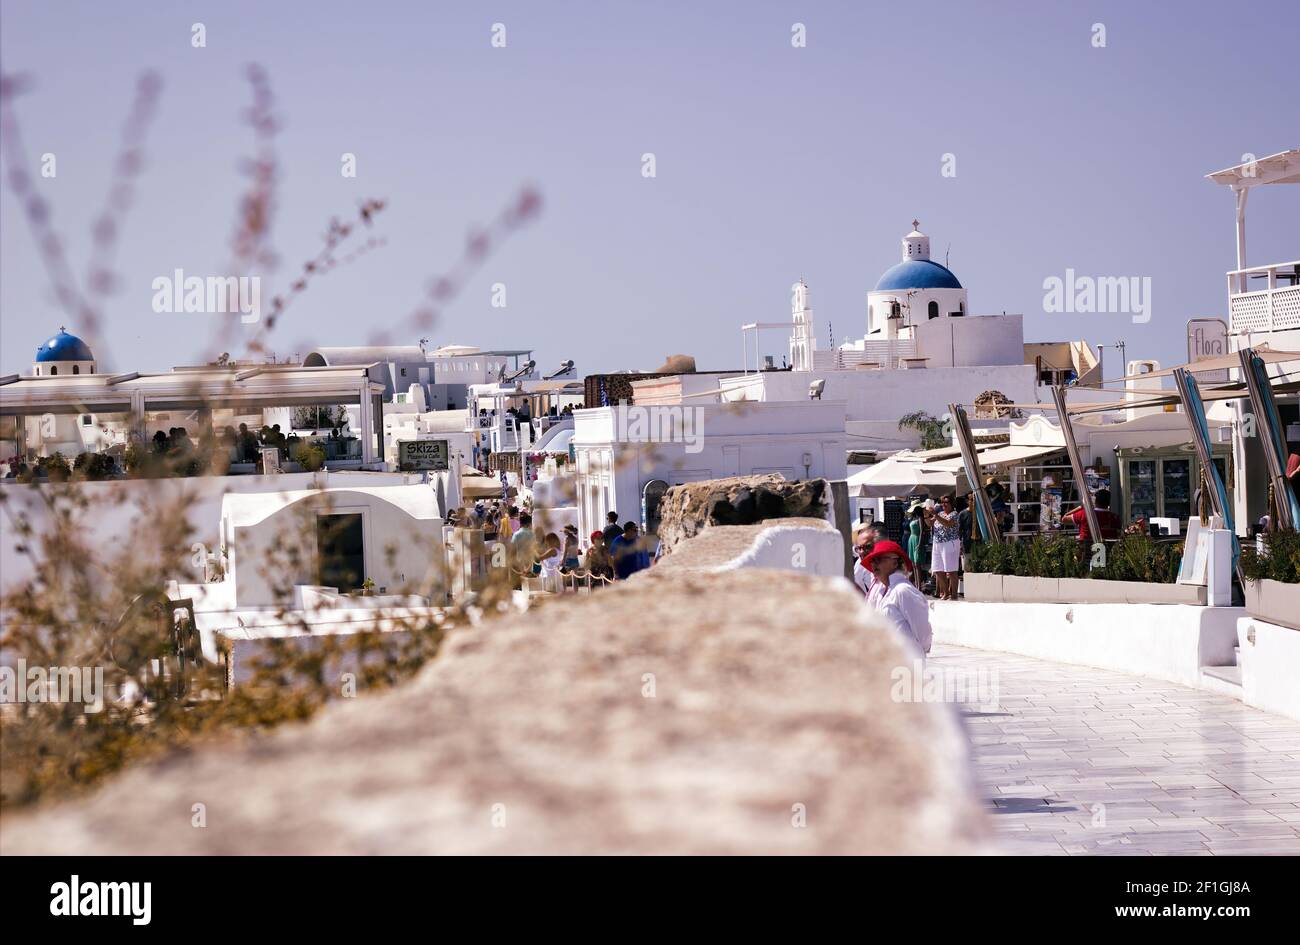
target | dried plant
[
  {"x": 117, "y": 608},
  {"x": 107, "y": 608}
]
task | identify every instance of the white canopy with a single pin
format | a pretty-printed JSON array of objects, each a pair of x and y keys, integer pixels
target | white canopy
[
  {"x": 904, "y": 473},
  {"x": 909, "y": 473}
]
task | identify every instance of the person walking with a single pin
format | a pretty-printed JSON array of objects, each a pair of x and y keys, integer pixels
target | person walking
[
  {"x": 864, "y": 538},
  {"x": 629, "y": 557},
  {"x": 523, "y": 546},
  {"x": 915, "y": 532},
  {"x": 612, "y": 529},
  {"x": 965, "y": 524},
  {"x": 571, "y": 560},
  {"x": 1107, "y": 520},
  {"x": 598, "y": 562},
  {"x": 945, "y": 554},
  {"x": 549, "y": 561},
  {"x": 895, "y": 596}
]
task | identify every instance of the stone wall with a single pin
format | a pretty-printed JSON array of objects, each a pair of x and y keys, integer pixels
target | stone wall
[
  {"x": 688, "y": 509},
  {"x": 743, "y": 712},
  {"x": 805, "y": 545}
]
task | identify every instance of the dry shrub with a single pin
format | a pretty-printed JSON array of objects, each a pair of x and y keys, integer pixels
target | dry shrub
[{"x": 105, "y": 608}]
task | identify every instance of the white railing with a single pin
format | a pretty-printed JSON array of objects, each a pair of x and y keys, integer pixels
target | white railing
[
  {"x": 501, "y": 430},
  {"x": 887, "y": 355},
  {"x": 1273, "y": 307}
]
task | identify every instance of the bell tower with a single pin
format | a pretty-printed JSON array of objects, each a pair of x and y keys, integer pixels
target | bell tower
[
  {"x": 916, "y": 245},
  {"x": 803, "y": 339}
]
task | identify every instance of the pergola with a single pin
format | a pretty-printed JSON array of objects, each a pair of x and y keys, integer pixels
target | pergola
[
  {"x": 1280, "y": 168},
  {"x": 244, "y": 389},
  {"x": 1255, "y": 387}
]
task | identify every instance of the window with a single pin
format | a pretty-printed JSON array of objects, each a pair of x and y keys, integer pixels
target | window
[
  {"x": 54, "y": 370},
  {"x": 403, "y": 372},
  {"x": 933, "y": 309},
  {"x": 76, "y": 369},
  {"x": 87, "y": 420}
]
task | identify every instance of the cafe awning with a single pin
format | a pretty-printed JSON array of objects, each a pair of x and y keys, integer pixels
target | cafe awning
[
  {"x": 999, "y": 457},
  {"x": 909, "y": 473},
  {"x": 899, "y": 475}
]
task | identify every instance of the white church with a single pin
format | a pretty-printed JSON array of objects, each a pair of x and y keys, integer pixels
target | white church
[
  {"x": 916, "y": 318},
  {"x": 920, "y": 350}
]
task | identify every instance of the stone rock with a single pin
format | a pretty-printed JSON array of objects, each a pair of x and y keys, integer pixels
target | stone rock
[
  {"x": 748, "y": 712},
  {"x": 677, "y": 364},
  {"x": 688, "y": 509}
]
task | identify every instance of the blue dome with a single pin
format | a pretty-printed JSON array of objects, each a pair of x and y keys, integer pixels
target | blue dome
[
  {"x": 917, "y": 274},
  {"x": 64, "y": 347}
]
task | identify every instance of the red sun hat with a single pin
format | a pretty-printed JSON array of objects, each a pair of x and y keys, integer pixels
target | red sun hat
[
  {"x": 882, "y": 548},
  {"x": 595, "y": 535}
]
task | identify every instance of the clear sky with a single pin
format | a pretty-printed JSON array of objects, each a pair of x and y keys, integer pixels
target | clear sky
[{"x": 772, "y": 162}]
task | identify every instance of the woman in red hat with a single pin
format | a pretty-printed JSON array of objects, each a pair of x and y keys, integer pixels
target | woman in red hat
[
  {"x": 598, "y": 561},
  {"x": 894, "y": 595}
]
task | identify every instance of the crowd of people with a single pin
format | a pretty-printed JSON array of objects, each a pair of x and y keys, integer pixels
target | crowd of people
[
  {"x": 938, "y": 534},
  {"x": 612, "y": 554},
  {"x": 895, "y": 580}
]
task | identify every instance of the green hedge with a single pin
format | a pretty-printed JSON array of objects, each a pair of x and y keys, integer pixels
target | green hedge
[
  {"x": 1279, "y": 562},
  {"x": 1132, "y": 558}
]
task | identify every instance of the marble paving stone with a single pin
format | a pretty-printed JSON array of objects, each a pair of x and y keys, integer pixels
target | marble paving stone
[{"x": 1089, "y": 762}]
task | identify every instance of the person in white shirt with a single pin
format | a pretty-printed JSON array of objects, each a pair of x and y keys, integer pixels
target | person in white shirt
[
  {"x": 865, "y": 537},
  {"x": 895, "y": 596}
]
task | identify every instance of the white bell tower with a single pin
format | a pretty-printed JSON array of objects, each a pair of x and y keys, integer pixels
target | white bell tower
[
  {"x": 803, "y": 338},
  {"x": 916, "y": 245}
]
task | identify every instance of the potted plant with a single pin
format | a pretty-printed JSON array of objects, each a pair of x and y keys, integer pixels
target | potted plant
[{"x": 1272, "y": 571}]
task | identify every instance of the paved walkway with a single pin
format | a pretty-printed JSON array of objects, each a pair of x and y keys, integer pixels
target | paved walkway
[{"x": 1076, "y": 760}]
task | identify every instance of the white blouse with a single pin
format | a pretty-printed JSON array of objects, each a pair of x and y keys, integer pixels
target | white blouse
[{"x": 905, "y": 606}]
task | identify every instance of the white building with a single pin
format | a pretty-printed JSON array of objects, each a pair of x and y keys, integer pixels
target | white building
[
  {"x": 100, "y": 412},
  {"x": 803, "y": 339},
  {"x": 445, "y": 374},
  {"x": 63, "y": 354},
  {"x": 621, "y": 451},
  {"x": 914, "y": 290},
  {"x": 1263, "y": 310},
  {"x": 920, "y": 350}
]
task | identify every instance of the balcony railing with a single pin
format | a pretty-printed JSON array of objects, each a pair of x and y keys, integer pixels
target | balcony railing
[
  {"x": 887, "y": 355},
  {"x": 1264, "y": 298}
]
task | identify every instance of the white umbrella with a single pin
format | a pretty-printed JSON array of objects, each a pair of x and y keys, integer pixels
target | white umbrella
[{"x": 900, "y": 475}]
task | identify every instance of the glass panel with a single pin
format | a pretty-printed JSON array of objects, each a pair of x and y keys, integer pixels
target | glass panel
[
  {"x": 1176, "y": 483},
  {"x": 1142, "y": 488}
]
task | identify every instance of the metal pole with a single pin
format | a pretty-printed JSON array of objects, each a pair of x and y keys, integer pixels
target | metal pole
[
  {"x": 1076, "y": 462},
  {"x": 1265, "y": 428},
  {"x": 970, "y": 459}
]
